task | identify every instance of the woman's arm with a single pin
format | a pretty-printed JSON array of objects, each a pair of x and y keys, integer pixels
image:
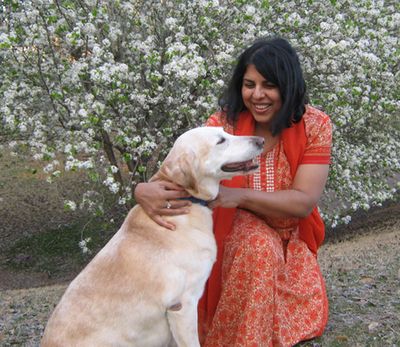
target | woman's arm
[
  {"x": 154, "y": 198},
  {"x": 299, "y": 201}
]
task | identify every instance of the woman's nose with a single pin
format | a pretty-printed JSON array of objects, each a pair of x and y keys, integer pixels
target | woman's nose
[{"x": 258, "y": 93}]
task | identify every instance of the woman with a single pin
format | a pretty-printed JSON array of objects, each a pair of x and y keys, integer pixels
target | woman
[{"x": 266, "y": 288}]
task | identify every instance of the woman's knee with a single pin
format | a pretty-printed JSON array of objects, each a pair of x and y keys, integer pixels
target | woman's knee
[{"x": 263, "y": 245}]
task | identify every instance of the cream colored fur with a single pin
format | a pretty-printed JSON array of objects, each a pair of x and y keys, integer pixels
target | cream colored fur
[{"x": 143, "y": 287}]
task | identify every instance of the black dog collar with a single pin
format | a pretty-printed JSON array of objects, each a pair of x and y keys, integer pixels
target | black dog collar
[{"x": 196, "y": 201}]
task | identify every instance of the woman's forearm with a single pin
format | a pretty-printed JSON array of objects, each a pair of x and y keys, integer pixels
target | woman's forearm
[
  {"x": 284, "y": 203},
  {"x": 299, "y": 201}
]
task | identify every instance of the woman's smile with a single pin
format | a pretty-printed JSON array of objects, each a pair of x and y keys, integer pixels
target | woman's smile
[{"x": 261, "y": 107}]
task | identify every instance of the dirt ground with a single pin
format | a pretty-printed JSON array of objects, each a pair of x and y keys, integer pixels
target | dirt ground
[{"x": 361, "y": 264}]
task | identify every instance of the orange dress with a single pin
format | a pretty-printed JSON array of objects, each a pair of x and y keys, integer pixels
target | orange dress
[{"x": 273, "y": 293}]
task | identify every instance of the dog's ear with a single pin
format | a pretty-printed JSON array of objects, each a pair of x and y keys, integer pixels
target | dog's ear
[{"x": 180, "y": 170}]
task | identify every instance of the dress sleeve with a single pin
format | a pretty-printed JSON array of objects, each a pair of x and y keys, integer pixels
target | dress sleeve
[
  {"x": 319, "y": 137},
  {"x": 215, "y": 120},
  {"x": 219, "y": 119}
]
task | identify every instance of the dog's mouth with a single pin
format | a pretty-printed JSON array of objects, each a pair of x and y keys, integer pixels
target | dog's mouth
[{"x": 244, "y": 166}]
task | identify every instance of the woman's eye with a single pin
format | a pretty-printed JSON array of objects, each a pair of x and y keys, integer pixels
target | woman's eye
[
  {"x": 221, "y": 140},
  {"x": 270, "y": 86}
]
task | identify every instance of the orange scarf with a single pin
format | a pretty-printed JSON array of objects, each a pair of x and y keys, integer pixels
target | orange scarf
[{"x": 311, "y": 228}]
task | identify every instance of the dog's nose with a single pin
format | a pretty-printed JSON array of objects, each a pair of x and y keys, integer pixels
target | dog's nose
[{"x": 259, "y": 142}]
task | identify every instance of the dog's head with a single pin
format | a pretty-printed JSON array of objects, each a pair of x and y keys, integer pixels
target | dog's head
[{"x": 202, "y": 157}]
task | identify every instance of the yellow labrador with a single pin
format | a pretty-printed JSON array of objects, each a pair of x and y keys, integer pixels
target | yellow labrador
[{"x": 143, "y": 287}]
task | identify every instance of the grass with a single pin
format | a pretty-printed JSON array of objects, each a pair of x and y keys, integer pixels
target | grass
[
  {"x": 362, "y": 277},
  {"x": 56, "y": 252}
]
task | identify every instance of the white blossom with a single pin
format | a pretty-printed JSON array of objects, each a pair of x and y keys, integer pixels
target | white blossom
[
  {"x": 70, "y": 205},
  {"x": 132, "y": 75},
  {"x": 83, "y": 244}
]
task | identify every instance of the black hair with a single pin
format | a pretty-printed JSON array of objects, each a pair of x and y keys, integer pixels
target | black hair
[{"x": 277, "y": 61}]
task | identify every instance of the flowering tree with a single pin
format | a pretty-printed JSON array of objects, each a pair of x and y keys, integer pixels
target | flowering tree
[{"x": 110, "y": 84}]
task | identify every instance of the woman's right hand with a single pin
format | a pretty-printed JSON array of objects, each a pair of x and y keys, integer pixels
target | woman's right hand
[{"x": 161, "y": 198}]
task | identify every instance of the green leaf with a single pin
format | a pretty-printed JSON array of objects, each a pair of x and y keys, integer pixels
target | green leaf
[
  {"x": 127, "y": 157},
  {"x": 56, "y": 96}
]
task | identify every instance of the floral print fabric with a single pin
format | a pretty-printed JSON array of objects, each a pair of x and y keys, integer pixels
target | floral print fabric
[{"x": 273, "y": 293}]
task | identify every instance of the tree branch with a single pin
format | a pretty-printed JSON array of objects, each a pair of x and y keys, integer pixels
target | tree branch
[{"x": 108, "y": 149}]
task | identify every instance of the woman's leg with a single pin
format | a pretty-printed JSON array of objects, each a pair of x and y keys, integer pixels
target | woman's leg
[
  {"x": 301, "y": 310},
  {"x": 245, "y": 313}
]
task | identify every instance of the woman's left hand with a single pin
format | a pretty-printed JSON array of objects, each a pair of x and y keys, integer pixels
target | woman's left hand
[{"x": 227, "y": 197}]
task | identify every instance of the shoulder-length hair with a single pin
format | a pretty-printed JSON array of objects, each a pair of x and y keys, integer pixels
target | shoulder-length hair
[{"x": 277, "y": 61}]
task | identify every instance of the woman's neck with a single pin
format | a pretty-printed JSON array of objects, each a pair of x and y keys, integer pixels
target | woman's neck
[{"x": 264, "y": 131}]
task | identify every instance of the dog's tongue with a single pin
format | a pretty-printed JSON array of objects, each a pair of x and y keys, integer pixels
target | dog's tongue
[{"x": 239, "y": 166}]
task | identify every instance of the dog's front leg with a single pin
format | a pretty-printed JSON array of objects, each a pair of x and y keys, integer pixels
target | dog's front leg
[{"x": 183, "y": 324}]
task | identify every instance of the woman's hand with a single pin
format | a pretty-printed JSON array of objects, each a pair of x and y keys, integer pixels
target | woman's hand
[
  {"x": 227, "y": 197},
  {"x": 160, "y": 198}
]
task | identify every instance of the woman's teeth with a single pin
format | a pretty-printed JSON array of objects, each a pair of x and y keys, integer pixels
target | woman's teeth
[{"x": 261, "y": 107}]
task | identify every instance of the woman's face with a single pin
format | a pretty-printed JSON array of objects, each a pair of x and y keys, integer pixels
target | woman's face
[{"x": 260, "y": 97}]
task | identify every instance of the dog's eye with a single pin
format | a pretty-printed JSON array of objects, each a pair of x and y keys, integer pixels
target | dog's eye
[{"x": 221, "y": 140}]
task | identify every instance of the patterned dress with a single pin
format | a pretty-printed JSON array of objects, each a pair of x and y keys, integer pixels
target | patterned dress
[{"x": 273, "y": 293}]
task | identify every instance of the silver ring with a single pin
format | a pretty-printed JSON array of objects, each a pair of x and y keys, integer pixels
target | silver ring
[{"x": 168, "y": 205}]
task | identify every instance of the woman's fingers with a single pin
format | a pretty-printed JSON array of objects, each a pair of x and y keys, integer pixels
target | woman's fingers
[
  {"x": 174, "y": 211},
  {"x": 172, "y": 205},
  {"x": 213, "y": 204},
  {"x": 161, "y": 221},
  {"x": 178, "y": 204},
  {"x": 158, "y": 216},
  {"x": 176, "y": 194},
  {"x": 171, "y": 186}
]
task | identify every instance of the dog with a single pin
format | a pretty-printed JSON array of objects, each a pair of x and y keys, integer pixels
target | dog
[{"x": 143, "y": 287}]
